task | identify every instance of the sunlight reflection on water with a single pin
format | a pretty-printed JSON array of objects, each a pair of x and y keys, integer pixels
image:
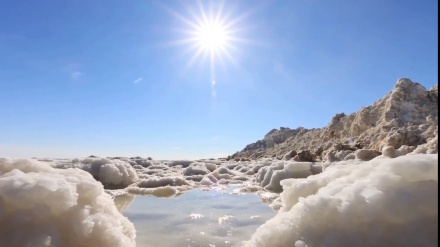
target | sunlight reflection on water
[{"x": 197, "y": 218}]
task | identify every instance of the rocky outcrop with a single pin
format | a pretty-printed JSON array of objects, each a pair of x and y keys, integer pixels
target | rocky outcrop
[
  {"x": 407, "y": 116},
  {"x": 271, "y": 139}
]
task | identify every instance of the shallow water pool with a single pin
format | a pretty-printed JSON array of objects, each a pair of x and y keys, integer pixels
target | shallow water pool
[{"x": 196, "y": 218}]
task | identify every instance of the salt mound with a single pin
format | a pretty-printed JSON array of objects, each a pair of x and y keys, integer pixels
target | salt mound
[
  {"x": 382, "y": 202},
  {"x": 43, "y": 206},
  {"x": 270, "y": 176},
  {"x": 113, "y": 174},
  {"x": 160, "y": 186}
]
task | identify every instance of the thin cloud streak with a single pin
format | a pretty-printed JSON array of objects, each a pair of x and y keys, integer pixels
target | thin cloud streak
[{"x": 138, "y": 80}]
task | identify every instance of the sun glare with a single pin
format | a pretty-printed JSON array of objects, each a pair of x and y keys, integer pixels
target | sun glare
[
  {"x": 210, "y": 32},
  {"x": 211, "y": 37}
]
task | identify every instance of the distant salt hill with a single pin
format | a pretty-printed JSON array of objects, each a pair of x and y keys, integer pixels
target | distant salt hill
[{"x": 405, "y": 120}]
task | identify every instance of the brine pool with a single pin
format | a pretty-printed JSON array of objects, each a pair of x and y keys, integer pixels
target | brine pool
[{"x": 197, "y": 218}]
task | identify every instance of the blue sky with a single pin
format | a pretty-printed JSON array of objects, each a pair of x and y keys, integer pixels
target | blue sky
[{"x": 115, "y": 78}]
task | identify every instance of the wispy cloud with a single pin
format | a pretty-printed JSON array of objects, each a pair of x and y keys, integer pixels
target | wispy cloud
[
  {"x": 75, "y": 75},
  {"x": 176, "y": 148},
  {"x": 138, "y": 80}
]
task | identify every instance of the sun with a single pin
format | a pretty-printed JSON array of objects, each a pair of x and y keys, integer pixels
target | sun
[
  {"x": 211, "y": 37},
  {"x": 212, "y": 33},
  {"x": 209, "y": 31}
]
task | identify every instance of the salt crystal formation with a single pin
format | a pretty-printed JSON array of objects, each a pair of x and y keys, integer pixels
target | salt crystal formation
[
  {"x": 382, "y": 202},
  {"x": 42, "y": 206}
]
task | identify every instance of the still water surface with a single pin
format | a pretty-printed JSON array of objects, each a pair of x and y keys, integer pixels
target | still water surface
[{"x": 211, "y": 218}]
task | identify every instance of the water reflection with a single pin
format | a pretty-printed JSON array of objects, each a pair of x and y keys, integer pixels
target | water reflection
[
  {"x": 122, "y": 202},
  {"x": 197, "y": 218}
]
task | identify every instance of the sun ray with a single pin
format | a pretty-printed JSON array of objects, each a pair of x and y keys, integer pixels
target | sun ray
[{"x": 219, "y": 12}]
